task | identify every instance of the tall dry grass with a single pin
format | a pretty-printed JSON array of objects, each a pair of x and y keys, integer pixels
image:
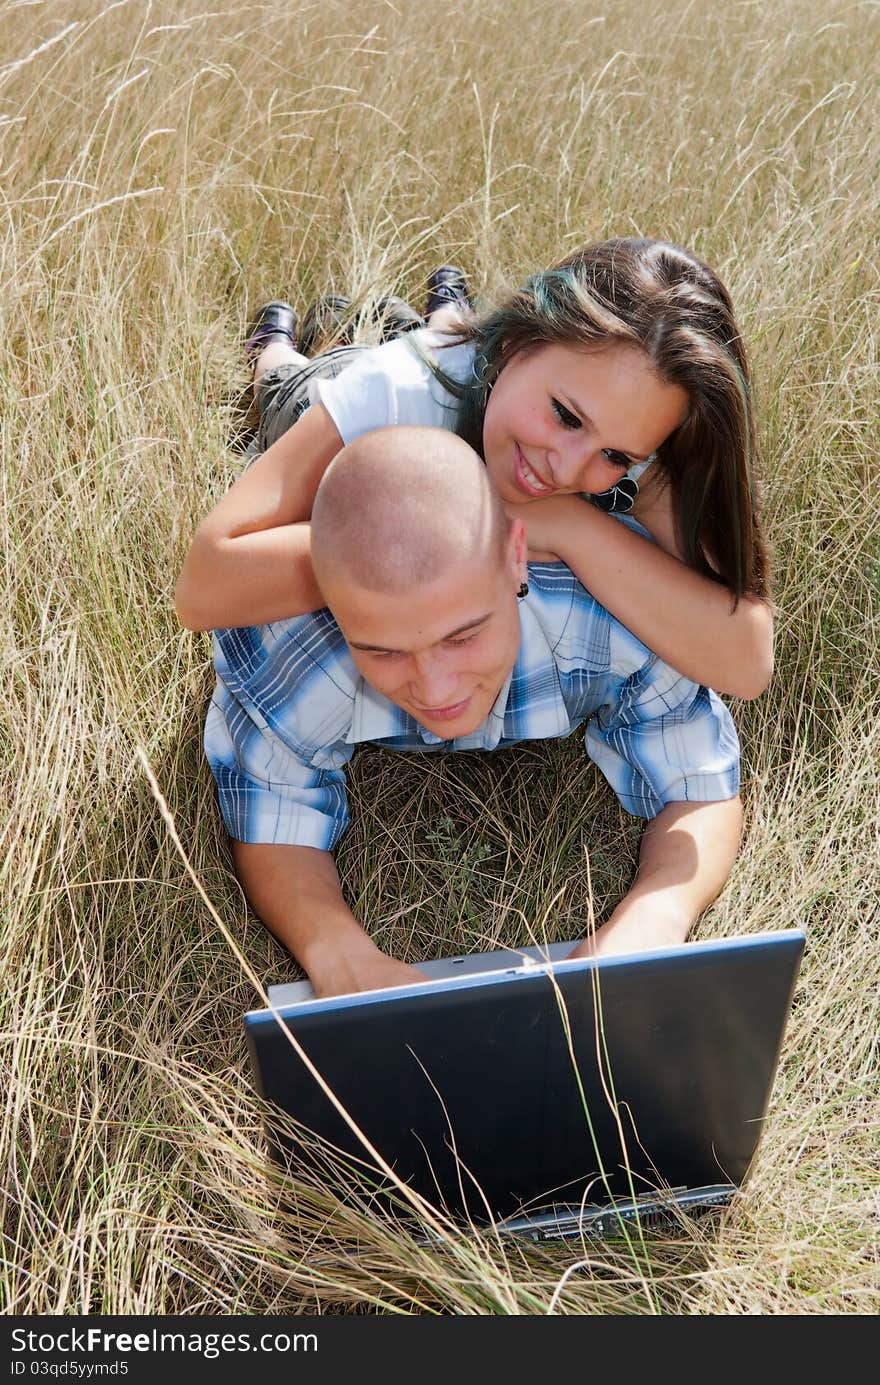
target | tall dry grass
[{"x": 164, "y": 168}]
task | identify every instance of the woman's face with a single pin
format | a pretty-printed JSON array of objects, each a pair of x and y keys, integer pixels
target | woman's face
[{"x": 560, "y": 418}]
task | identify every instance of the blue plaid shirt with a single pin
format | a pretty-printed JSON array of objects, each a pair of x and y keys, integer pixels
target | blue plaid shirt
[{"x": 290, "y": 706}]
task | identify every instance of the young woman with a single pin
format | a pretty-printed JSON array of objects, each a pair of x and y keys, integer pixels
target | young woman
[{"x": 618, "y": 375}]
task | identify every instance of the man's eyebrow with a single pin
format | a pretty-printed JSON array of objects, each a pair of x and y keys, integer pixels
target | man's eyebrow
[
  {"x": 381, "y": 649},
  {"x": 585, "y": 418}
]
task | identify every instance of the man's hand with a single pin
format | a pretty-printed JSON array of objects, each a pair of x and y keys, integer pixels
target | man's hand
[
  {"x": 544, "y": 521},
  {"x": 640, "y": 927},
  {"x": 296, "y": 892},
  {"x": 360, "y": 968},
  {"x": 686, "y": 855}
]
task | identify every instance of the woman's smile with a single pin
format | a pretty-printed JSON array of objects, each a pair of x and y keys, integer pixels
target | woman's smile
[{"x": 526, "y": 478}]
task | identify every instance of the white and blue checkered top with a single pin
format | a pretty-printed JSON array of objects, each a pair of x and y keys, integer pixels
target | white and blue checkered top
[{"x": 290, "y": 706}]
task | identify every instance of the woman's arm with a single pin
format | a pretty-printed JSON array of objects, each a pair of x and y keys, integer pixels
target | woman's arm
[
  {"x": 684, "y": 617},
  {"x": 250, "y": 560}
]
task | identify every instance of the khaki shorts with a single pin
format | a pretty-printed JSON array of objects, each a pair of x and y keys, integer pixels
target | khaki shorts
[{"x": 283, "y": 393}]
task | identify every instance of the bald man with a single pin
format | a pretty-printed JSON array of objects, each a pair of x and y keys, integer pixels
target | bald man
[{"x": 438, "y": 636}]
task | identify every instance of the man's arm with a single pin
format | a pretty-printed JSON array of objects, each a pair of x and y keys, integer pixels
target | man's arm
[
  {"x": 686, "y": 855},
  {"x": 283, "y": 813},
  {"x": 296, "y": 892}
]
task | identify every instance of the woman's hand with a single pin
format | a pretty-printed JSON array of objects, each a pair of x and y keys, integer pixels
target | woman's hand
[{"x": 544, "y": 521}]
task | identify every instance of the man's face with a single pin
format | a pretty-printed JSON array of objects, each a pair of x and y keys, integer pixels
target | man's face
[{"x": 441, "y": 651}]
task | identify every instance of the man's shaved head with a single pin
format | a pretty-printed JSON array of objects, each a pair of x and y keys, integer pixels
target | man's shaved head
[{"x": 400, "y": 506}]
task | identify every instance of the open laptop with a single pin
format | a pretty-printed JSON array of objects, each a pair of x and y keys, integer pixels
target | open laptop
[{"x": 541, "y": 1096}]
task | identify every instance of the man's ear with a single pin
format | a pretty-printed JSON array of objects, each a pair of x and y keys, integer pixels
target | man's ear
[{"x": 518, "y": 551}]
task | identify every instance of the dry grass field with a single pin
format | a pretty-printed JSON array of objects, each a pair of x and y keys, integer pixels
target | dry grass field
[{"x": 166, "y": 166}]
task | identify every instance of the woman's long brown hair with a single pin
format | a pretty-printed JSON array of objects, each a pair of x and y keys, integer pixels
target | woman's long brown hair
[{"x": 655, "y": 296}]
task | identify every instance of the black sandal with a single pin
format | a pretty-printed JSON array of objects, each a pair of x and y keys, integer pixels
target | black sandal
[
  {"x": 276, "y": 321},
  {"x": 328, "y": 323},
  {"x": 447, "y": 288},
  {"x": 395, "y": 316}
]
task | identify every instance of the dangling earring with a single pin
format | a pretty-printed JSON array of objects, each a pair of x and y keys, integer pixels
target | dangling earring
[
  {"x": 479, "y": 366},
  {"x": 523, "y": 590},
  {"x": 480, "y": 371}
]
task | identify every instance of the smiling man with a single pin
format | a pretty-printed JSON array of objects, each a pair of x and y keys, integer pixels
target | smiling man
[{"x": 438, "y": 636}]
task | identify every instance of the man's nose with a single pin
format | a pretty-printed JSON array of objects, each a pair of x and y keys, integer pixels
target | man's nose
[{"x": 434, "y": 681}]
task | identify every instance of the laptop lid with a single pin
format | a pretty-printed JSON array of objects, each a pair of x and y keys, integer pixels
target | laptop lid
[{"x": 526, "y": 1092}]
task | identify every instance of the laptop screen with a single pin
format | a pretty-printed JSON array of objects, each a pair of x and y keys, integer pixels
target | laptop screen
[{"x": 502, "y": 1095}]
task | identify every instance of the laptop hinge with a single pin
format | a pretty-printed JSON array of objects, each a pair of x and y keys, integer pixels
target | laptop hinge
[{"x": 654, "y": 1208}]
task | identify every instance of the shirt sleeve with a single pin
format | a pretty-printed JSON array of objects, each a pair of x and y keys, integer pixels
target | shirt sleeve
[
  {"x": 360, "y": 398},
  {"x": 268, "y": 793},
  {"x": 389, "y": 385},
  {"x": 660, "y": 738}
]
